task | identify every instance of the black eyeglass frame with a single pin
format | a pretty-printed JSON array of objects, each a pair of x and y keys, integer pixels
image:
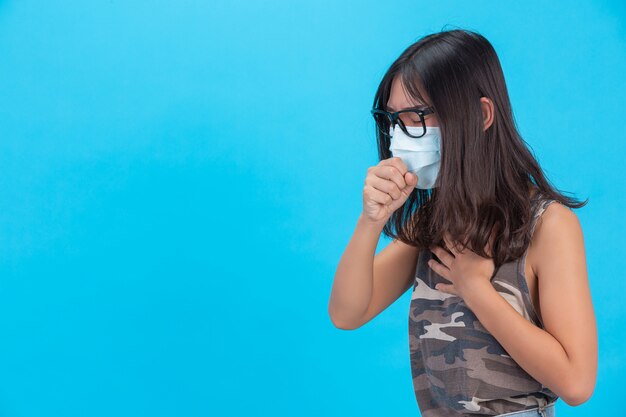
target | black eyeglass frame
[{"x": 393, "y": 118}]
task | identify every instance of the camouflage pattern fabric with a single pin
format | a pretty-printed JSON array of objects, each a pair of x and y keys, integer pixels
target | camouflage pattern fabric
[{"x": 458, "y": 367}]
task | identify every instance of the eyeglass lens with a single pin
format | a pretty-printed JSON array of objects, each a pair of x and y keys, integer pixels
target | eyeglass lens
[{"x": 406, "y": 119}]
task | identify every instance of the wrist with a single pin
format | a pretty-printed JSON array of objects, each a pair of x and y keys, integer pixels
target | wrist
[
  {"x": 478, "y": 293},
  {"x": 370, "y": 224}
]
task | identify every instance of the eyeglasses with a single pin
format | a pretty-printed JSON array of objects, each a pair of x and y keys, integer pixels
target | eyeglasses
[{"x": 413, "y": 117}]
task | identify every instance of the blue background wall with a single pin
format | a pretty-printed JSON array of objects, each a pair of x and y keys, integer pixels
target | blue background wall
[{"x": 180, "y": 178}]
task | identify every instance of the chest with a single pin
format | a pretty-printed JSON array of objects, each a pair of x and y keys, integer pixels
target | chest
[{"x": 516, "y": 281}]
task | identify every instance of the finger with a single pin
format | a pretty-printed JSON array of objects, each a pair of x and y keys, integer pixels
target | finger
[
  {"x": 443, "y": 255},
  {"x": 452, "y": 246},
  {"x": 448, "y": 242},
  {"x": 377, "y": 195},
  {"x": 439, "y": 268},
  {"x": 410, "y": 179},
  {"x": 396, "y": 162},
  {"x": 388, "y": 171},
  {"x": 384, "y": 185},
  {"x": 490, "y": 243},
  {"x": 449, "y": 288}
]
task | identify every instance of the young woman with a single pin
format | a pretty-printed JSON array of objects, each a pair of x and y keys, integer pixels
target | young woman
[{"x": 501, "y": 320}]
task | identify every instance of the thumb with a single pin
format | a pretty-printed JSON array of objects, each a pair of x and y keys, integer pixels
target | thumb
[{"x": 410, "y": 178}]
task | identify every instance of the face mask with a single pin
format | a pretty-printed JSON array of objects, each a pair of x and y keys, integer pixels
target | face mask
[{"x": 421, "y": 155}]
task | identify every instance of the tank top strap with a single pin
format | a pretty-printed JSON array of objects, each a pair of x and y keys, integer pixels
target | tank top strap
[{"x": 539, "y": 204}]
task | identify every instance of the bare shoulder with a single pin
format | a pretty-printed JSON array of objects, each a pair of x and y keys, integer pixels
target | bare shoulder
[
  {"x": 558, "y": 230},
  {"x": 564, "y": 291},
  {"x": 561, "y": 214},
  {"x": 558, "y": 223}
]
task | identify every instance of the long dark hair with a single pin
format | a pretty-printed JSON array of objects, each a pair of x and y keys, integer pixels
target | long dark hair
[{"x": 485, "y": 176}]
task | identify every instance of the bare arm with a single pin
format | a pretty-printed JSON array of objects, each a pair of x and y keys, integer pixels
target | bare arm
[
  {"x": 563, "y": 356},
  {"x": 365, "y": 284}
]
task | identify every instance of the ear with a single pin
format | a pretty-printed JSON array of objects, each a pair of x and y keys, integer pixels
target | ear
[{"x": 488, "y": 113}]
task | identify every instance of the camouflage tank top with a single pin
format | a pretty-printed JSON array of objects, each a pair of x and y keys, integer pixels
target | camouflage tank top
[{"x": 458, "y": 367}]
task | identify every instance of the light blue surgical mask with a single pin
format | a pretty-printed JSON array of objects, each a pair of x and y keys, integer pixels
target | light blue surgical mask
[{"x": 421, "y": 155}]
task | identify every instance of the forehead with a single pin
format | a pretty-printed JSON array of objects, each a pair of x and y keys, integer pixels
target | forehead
[{"x": 399, "y": 97}]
